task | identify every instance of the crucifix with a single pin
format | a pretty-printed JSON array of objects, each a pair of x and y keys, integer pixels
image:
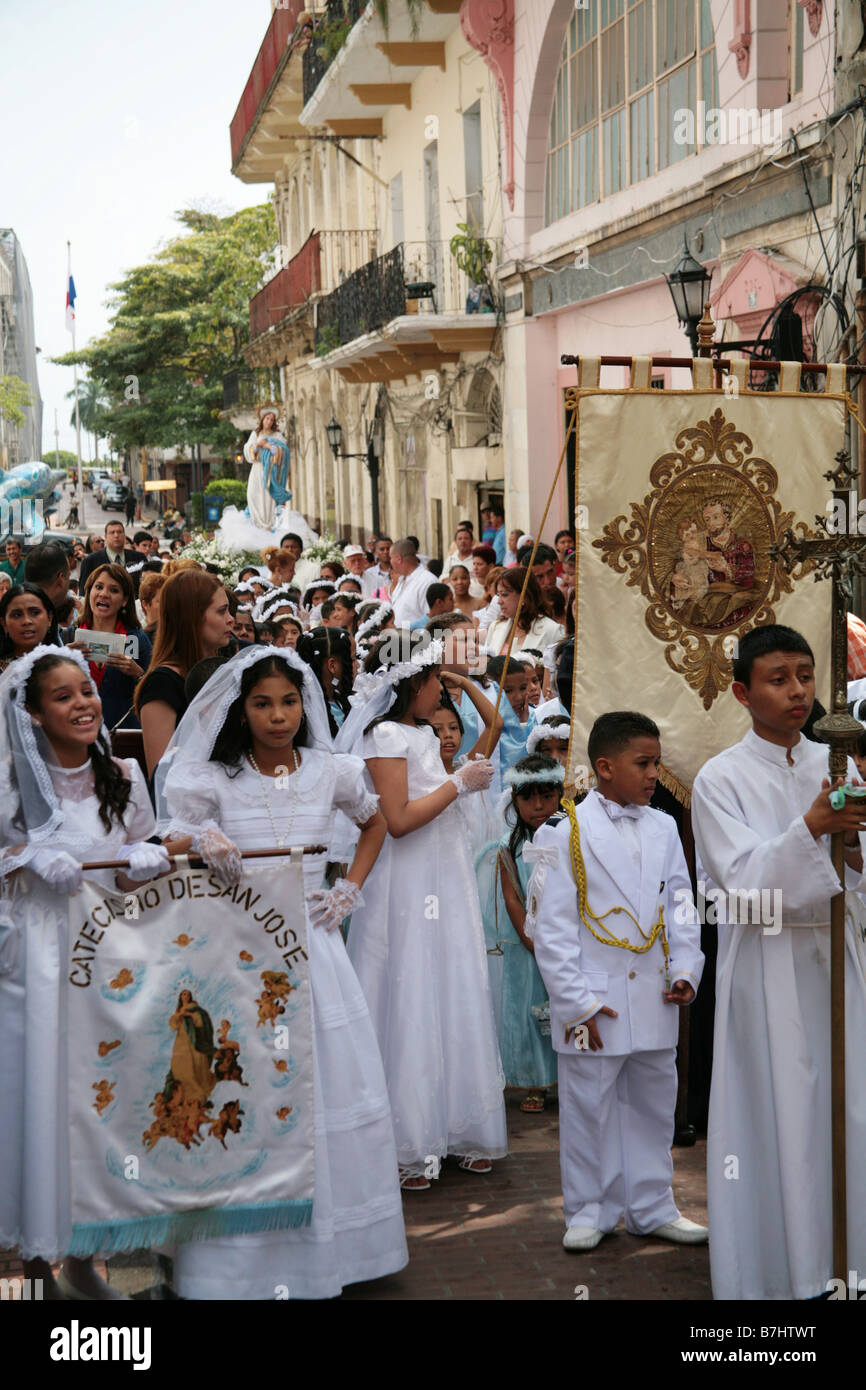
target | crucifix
[{"x": 838, "y": 558}]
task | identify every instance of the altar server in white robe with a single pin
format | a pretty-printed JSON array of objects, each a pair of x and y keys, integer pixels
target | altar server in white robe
[
  {"x": 614, "y": 1020},
  {"x": 762, "y": 823}
]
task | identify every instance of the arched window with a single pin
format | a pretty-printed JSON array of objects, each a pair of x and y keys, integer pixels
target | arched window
[{"x": 626, "y": 95}]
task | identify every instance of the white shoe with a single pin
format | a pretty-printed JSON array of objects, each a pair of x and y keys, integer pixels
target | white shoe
[
  {"x": 581, "y": 1238},
  {"x": 681, "y": 1232}
]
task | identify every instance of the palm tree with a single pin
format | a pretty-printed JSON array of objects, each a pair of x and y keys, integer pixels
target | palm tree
[{"x": 92, "y": 408}]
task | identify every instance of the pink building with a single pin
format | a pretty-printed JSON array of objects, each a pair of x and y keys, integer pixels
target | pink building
[{"x": 625, "y": 125}]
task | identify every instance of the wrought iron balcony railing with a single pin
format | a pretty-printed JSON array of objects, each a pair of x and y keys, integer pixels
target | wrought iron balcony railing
[
  {"x": 367, "y": 300},
  {"x": 329, "y": 34},
  {"x": 239, "y": 388}
]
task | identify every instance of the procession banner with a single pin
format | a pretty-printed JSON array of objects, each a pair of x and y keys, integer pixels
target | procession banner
[
  {"x": 190, "y": 1059},
  {"x": 679, "y": 496}
]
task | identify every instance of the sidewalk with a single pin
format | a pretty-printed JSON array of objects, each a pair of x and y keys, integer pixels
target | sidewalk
[{"x": 499, "y": 1237}]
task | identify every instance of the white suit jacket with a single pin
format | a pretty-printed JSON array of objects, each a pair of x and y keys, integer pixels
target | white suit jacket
[{"x": 579, "y": 972}]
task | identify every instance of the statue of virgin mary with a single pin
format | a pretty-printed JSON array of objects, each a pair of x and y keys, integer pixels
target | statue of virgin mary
[{"x": 267, "y": 453}]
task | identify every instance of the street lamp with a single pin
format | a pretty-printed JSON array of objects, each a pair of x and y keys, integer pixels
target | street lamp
[
  {"x": 689, "y": 285},
  {"x": 334, "y": 431}
]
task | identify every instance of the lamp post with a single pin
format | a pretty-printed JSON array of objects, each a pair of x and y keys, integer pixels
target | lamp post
[
  {"x": 334, "y": 431},
  {"x": 689, "y": 285}
]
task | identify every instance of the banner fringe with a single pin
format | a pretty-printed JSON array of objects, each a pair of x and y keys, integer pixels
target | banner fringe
[
  {"x": 672, "y": 783},
  {"x": 180, "y": 1228}
]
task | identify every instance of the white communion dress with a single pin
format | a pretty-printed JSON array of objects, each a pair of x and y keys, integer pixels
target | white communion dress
[
  {"x": 357, "y": 1230},
  {"x": 418, "y": 947},
  {"x": 35, "y": 1207}
]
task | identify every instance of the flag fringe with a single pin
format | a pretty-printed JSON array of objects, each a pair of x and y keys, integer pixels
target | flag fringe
[
  {"x": 672, "y": 783},
  {"x": 182, "y": 1227}
]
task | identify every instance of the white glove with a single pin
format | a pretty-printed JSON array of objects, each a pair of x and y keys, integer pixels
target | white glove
[
  {"x": 56, "y": 868},
  {"x": 146, "y": 861},
  {"x": 328, "y": 907},
  {"x": 220, "y": 854},
  {"x": 473, "y": 777}
]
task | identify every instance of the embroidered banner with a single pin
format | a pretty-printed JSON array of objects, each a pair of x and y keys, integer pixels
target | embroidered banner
[
  {"x": 679, "y": 496},
  {"x": 190, "y": 1059}
]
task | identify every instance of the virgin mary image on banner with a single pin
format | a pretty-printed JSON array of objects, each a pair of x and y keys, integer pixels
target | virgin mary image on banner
[
  {"x": 193, "y": 1051},
  {"x": 267, "y": 452}
]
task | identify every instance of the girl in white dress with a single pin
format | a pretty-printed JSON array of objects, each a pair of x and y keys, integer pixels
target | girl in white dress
[
  {"x": 64, "y": 800},
  {"x": 253, "y": 768},
  {"x": 418, "y": 944}
]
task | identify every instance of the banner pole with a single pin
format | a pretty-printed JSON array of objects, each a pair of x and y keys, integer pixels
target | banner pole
[
  {"x": 529, "y": 564},
  {"x": 194, "y": 860}
]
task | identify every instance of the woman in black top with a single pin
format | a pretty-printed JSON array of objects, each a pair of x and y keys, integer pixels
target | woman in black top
[
  {"x": 194, "y": 622},
  {"x": 109, "y": 606}
]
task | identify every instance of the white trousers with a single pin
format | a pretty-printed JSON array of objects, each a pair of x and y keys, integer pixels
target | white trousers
[{"x": 616, "y": 1121}]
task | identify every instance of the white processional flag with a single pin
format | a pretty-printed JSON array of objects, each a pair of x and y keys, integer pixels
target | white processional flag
[
  {"x": 190, "y": 1059},
  {"x": 679, "y": 496}
]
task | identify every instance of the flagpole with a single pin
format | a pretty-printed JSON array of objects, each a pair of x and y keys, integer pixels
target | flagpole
[{"x": 75, "y": 387}]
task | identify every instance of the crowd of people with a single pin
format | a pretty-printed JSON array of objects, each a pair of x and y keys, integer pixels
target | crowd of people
[{"x": 365, "y": 702}]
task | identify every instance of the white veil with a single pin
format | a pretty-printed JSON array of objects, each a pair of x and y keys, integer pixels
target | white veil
[
  {"x": 375, "y": 694},
  {"x": 27, "y": 793},
  {"x": 197, "y": 731}
]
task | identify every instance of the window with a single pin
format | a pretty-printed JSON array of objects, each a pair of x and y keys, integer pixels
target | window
[
  {"x": 472, "y": 166},
  {"x": 629, "y": 72}
]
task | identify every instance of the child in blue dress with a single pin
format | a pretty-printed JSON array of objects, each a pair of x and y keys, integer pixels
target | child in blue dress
[{"x": 528, "y": 1058}]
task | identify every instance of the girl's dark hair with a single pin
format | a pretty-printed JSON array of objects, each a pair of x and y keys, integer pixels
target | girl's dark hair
[
  {"x": 234, "y": 739},
  {"x": 315, "y": 648},
  {"x": 533, "y": 603},
  {"x": 533, "y": 762},
  {"x": 113, "y": 788},
  {"x": 409, "y": 642},
  {"x": 50, "y": 639},
  {"x": 496, "y": 666}
]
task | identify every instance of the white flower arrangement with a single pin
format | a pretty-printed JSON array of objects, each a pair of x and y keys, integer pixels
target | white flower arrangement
[
  {"x": 227, "y": 563},
  {"x": 324, "y": 549}
]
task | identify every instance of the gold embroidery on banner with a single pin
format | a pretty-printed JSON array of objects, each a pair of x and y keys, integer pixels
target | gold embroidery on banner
[{"x": 697, "y": 546}]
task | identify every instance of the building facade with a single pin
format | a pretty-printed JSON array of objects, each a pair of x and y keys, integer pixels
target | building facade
[
  {"x": 18, "y": 443},
  {"x": 379, "y": 144},
  {"x": 633, "y": 123}
]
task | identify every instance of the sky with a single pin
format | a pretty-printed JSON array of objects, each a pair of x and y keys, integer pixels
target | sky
[{"x": 116, "y": 116}]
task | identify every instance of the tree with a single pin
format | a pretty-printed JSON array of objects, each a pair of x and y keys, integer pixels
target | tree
[
  {"x": 15, "y": 397},
  {"x": 179, "y": 324},
  {"x": 92, "y": 409},
  {"x": 61, "y": 458}
]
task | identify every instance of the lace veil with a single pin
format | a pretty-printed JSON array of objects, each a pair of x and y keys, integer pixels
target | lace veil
[
  {"x": 197, "y": 731},
  {"x": 27, "y": 792}
]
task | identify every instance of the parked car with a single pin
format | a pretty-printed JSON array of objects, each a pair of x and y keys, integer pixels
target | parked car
[{"x": 114, "y": 497}]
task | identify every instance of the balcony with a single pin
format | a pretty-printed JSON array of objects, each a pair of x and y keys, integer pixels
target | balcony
[
  {"x": 355, "y": 70},
  {"x": 325, "y": 42},
  {"x": 272, "y": 99},
  {"x": 403, "y": 312},
  {"x": 239, "y": 389},
  {"x": 288, "y": 289}
]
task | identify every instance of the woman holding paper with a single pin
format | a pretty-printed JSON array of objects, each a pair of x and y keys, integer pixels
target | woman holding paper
[{"x": 109, "y": 607}]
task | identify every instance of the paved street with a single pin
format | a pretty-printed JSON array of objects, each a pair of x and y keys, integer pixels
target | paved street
[{"x": 498, "y": 1238}]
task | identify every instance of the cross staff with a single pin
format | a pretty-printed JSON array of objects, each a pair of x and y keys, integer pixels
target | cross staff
[{"x": 837, "y": 558}]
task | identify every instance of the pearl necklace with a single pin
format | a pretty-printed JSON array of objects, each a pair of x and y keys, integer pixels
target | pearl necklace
[{"x": 296, "y": 763}]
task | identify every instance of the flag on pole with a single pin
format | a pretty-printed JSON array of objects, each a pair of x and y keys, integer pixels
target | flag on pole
[{"x": 70, "y": 299}]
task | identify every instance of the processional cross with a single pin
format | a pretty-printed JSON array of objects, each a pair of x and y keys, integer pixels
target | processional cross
[{"x": 838, "y": 558}]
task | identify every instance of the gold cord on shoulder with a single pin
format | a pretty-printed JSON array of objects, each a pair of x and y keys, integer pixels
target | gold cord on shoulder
[{"x": 588, "y": 917}]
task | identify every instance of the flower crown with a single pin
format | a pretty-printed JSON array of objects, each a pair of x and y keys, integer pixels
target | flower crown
[
  {"x": 543, "y": 777},
  {"x": 382, "y": 613},
  {"x": 369, "y": 683},
  {"x": 273, "y": 604},
  {"x": 541, "y": 732}
]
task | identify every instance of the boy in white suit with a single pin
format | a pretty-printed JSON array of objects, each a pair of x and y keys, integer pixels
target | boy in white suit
[{"x": 613, "y": 1013}]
